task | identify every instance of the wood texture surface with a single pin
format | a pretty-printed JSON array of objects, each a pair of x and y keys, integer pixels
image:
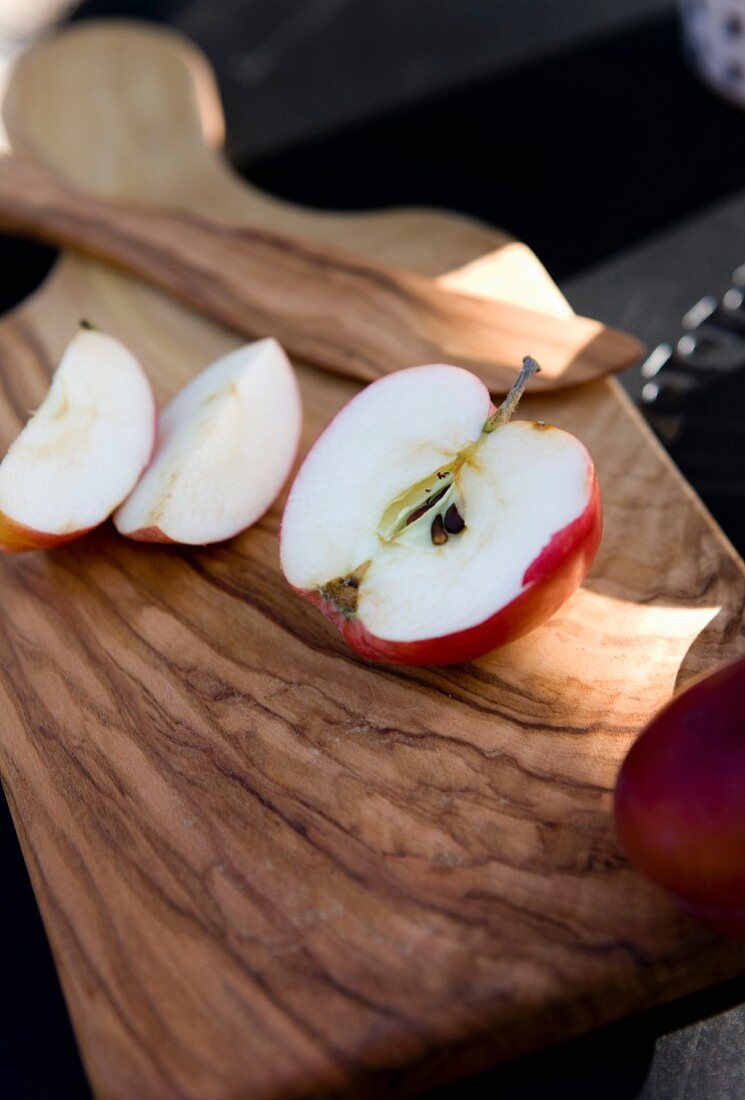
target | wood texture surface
[
  {"x": 268, "y": 869},
  {"x": 328, "y": 306}
]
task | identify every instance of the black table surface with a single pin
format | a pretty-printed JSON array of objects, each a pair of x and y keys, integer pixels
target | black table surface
[{"x": 628, "y": 179}]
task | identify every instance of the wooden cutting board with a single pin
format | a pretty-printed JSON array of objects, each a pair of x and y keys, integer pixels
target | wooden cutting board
[{"x": 268, "y": 869}]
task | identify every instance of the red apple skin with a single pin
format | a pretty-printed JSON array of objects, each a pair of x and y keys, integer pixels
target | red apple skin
[
  {"x": 555, "y": 574},
  {"x": 150, "y": 534},
  {"x": 16, "y": 538},
  {"x": 680, "y": 800}
]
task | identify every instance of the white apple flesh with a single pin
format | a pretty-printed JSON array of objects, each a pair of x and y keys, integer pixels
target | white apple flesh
[
  {"x": 82, "y": 451},
  {"x": 513, "y": 529},
  {"x": 226, "y": 445}
]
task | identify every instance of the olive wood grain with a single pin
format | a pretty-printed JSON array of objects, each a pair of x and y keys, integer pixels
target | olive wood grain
[
  {"x": 325, "y": 305},
  {"x": 268, "y": 869}
]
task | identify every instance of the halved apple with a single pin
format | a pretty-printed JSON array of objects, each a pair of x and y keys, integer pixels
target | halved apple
[
  {"x": 226, "y": 444},
  {"x": 430, "y": 530},
  {"x": 82, "y": 451}
]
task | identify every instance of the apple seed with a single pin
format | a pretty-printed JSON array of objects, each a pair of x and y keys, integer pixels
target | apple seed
[
  {"x": 437, "y": 531},
  {"x": 453, "y": 521}
]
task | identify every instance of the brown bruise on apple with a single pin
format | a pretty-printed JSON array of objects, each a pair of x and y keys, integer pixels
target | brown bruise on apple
[{"x": 344, "y": 592}]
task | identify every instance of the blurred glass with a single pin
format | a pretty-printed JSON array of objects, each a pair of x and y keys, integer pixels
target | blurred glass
[{"x": 714, "y": 38}]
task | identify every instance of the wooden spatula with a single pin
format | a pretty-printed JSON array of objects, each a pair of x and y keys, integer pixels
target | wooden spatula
[{"x": 328, "y": 307}]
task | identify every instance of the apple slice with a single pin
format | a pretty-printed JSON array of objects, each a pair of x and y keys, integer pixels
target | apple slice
[
  {"x": 430, "y": 530},
  {"x": 226, "y": 445},
  {"x": 82, "y": 451}
]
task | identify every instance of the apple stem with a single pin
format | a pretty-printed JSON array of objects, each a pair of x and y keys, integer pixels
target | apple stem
[{"x": 511, "y": 401}]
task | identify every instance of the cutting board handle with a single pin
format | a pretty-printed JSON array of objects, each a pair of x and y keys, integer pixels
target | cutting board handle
[{"x": 331, "y": 308}]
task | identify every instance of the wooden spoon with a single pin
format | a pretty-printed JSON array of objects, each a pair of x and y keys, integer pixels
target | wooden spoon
[{"x": 326, "y": 306}]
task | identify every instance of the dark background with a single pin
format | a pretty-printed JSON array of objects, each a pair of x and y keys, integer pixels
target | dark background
[{"x": 577, "y": 127}]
